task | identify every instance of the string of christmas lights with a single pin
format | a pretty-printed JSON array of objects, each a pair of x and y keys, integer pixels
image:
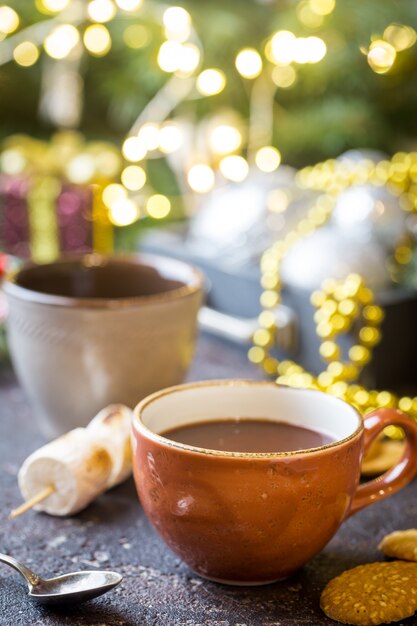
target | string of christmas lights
[{"x": 70, "y": 28}]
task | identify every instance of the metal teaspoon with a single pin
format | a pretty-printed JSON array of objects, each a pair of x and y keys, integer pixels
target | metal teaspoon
[{"x": 70, "y": 588}]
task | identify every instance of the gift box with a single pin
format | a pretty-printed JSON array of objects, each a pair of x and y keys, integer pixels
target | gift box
[{"x": 50, "y": 196}]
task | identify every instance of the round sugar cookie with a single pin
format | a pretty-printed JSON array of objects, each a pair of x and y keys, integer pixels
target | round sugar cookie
[{"x": 373, "y": 594}]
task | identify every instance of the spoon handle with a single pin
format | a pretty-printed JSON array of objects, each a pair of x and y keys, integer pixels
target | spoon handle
[{"x": 31, "y": 578}]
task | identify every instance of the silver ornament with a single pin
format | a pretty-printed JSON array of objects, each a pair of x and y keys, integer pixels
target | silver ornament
[
  {"x": 328, "y": 253},
  {"x": 234, "y": 221},
  {"x": 362, "y": 154},
  {"x": 370, "y": 213}
]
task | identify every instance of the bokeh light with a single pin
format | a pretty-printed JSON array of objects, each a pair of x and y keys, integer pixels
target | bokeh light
[
  {"x": 101, "y": 10},
  {"x": 158, "y": 206},
  {"x": 381, "y": 56},
  {"x": 177, "y": 22},
  {"x": 277, "y": 201},
  {"x": 129, "y": 5},
  {"x": 174, "y": 56},
  {"x": 136, "y": 36},
  {"x": 61, "y": 41},
  {"x": 234, "y": 168},
  {"x": 107, "y": 162},
  {"x": 26, "y": 54},
  {"x": 12, "y": 161},
  {"x": 211, "y": 82},
  {"x": 301, "y": 51},
  {"x": 112, "y": 193},
  {"x": 189, "y": 58},
  {"x": 249, "y": 63},
  {"x": 9, "y": 20},
  {"x": 322, "y": 7},
  {"x": 55, "y": 6},
  {"x": 81, "y": 169},
  {"x": 317, "y": 49},
  {"x": 133, "y": 177},
  {"x": 134, "y": 149},
  {"x": 170, "y": 138},
  {"x": 307, "y": 16},
  {"x": 284, "y": 76},
  {"x": 149, "y": 136},
  {"x": 201, "y": 178},
  {"x": 309, "y": 50},
  {"x": 225, "y": 139},
  {"x": 282, "y": 47},
  {"x": 123, "y": 212},
  {"x": 268, "y": 158},
  {"x": 97, "y": 40},
  {"x": 400, "y": 37},
  {"x": 168, "y": 56},
  {"x": 285, "y": 48}
]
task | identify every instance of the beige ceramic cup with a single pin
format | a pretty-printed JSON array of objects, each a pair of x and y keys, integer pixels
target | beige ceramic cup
[
  {"x": 254, "y": 518},
  {"x": 89, "y": 331}
]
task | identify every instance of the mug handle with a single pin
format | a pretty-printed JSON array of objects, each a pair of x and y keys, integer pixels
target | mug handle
[{"x": 398, "y": 476}]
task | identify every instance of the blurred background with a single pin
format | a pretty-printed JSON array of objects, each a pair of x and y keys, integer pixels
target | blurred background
[
  {"x": 214, "y": 130},
  {"x": 193, "y": 85}
]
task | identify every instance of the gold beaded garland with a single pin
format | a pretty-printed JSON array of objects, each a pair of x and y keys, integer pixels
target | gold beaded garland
[
  {"x": 339, "y": 304},
  {"x": 345, "y": 298}
]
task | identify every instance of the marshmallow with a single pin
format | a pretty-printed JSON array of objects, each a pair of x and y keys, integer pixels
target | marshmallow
[
  {"x": 112, "y": 429},
  {"x": 78, "y": 469},
  {"x": 81, "y": 464}
]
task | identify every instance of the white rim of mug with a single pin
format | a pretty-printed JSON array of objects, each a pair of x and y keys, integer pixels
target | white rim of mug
[
  {"x": 195, "y": 284},
  {"x": 147, "y": 432}
]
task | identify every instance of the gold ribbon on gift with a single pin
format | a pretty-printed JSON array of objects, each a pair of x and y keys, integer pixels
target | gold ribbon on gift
[
  {"x": 43, "y": 226},
  {"x": 103, "y": 240},
  {"x": 67, "y": 157}
]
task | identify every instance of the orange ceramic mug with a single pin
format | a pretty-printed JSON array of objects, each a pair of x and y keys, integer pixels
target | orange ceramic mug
[{"x": 245, "y": 518}]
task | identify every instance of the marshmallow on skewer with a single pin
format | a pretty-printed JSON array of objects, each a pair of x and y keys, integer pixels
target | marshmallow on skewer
[
  {"x": 111, "y": 428},
  {"x": 76, "y": 468},
  {"x": 64, "y": 476}
]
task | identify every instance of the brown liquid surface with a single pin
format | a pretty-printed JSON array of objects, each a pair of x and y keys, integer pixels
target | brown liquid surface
[
  {"x": 113, "y": 279},
  {"x": 248, "y": 435}
]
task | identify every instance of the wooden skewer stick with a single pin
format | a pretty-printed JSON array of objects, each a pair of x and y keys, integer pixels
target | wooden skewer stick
[{"x": 26, "y": 506}]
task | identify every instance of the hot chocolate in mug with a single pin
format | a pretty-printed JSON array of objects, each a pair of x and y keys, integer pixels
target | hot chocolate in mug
[{"x": 251, "y": 517}]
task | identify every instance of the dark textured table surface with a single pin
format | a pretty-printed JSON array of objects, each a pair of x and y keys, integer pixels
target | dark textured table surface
[{"x": 158, "y": 589}]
